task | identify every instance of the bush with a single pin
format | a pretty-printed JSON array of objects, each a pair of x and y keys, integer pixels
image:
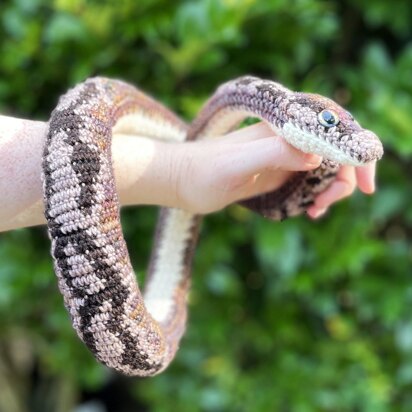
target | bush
[{"x": 297, "y": 316}]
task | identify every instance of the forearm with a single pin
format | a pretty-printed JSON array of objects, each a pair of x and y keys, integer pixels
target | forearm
[{"x": 140, "y": 166}]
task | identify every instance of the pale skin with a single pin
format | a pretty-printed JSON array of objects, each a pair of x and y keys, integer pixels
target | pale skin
[{"x": 201, "y": 177}]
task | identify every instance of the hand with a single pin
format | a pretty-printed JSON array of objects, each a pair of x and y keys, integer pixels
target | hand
[
  {"x": 348, "y": 178},
  {"x": 248, "y": 162}
]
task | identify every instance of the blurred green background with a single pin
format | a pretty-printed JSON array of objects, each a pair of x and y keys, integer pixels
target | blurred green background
[{"x": 294, "y": 316}]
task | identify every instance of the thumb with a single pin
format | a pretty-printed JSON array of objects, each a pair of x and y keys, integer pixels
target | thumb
[{"x": 276, "y": 154}]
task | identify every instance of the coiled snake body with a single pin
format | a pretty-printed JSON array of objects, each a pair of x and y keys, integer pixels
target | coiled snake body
[{"x": 139, "y": 334}]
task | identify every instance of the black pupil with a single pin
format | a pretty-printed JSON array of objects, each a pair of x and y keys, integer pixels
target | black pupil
[{"x": 328, "y": 117}]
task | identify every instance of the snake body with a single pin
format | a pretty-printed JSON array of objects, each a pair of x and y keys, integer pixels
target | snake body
[{"x": 139, "y": 334}]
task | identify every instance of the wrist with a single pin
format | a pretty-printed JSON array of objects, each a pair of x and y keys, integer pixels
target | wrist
[{"x": 145, "y": 171}]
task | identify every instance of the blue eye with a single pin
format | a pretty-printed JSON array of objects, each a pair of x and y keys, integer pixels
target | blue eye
[{"x": 328, "y": 118}]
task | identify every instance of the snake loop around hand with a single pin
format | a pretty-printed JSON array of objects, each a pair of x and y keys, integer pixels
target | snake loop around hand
[{"x": 135, "y": 333}]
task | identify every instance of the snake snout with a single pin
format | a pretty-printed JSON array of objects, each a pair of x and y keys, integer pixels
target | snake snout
[{"x": 367, "y": 147}]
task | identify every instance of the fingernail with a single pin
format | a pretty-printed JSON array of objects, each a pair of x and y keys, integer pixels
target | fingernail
[
  {"x": 319, "y": 213},
  {"x": 312, "y": 160}
]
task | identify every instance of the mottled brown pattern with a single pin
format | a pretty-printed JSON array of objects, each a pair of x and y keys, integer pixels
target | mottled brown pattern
[
  {"x": 278, "y": 106},
  {"x": 82, "y": 210},
  {"x": 91, "y": 260}
]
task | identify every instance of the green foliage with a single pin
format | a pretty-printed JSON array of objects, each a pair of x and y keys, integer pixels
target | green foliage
[{"x": 293, "y": 316}]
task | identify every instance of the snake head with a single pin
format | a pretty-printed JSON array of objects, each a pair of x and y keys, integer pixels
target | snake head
[{"x": 319, "y": 125}]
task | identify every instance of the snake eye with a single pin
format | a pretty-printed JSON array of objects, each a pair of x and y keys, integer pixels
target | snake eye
[{"x": 328, "y": 118}]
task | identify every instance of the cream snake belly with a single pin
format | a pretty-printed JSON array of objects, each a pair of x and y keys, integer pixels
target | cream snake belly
[{"x": 135, "y": 333}]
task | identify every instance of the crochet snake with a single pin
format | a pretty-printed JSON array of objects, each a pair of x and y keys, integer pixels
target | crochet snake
[{"x": 139, "y": 334}]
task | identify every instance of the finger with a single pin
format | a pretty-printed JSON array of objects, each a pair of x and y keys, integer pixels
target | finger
[
  {"x": 343, "y": 186},
  {"x": 249, "y": 133},
  {"x": 273, "y": 153},
  {"x": 264, "y": 183},
  {"x": 365, "y": 176},
  {"x": 271, "y": 180},
  {"x": 314, "y": 212}
]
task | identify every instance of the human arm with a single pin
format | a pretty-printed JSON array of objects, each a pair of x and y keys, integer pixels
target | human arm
[{"x": 200, "y": 177}]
